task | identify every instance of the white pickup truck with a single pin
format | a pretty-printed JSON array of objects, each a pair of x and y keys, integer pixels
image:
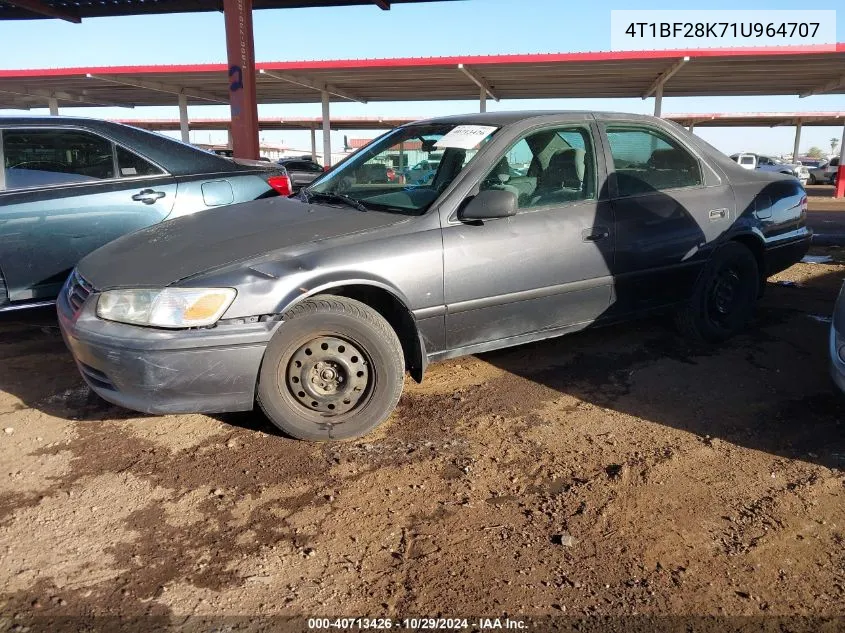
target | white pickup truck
[{"x": 767, "y": 163}]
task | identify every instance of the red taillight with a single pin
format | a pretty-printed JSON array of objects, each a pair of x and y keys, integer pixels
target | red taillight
[
  {"x": 804, "y": 205},
  {"x": 280, "y": 184}
]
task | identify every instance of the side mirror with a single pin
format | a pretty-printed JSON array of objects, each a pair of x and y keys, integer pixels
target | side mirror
[{"x": 490, "y": 204}]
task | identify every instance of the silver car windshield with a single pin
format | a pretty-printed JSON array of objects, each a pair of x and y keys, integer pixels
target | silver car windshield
[{"x": 403, "y": 171}]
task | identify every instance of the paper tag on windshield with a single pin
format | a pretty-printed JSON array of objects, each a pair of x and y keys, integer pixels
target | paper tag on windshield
[{"x": 465, "y": 136}]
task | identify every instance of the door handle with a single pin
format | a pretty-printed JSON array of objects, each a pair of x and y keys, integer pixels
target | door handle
[
  {"x": 148, "y": 196},
  {"x": 595, "y": 234}
]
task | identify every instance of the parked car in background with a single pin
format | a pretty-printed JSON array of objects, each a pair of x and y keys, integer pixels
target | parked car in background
[
  {"x": 837, "y": 342},
  {"x": 421, "y": 173},
  {"x": 315, "y": 305},
  {"x": 373, "y": 173},
  {"x": 301, "y": 171},
  {"x": 825, "y": 173},
  {"x": 769, "y": 163},
  {"x": 69, "y": 185}
]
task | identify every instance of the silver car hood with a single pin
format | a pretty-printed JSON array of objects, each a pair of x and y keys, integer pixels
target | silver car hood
[{"x": 165, "y": 253}]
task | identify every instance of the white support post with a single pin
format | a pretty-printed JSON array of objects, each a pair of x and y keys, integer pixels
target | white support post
[
  {"x": 54, "y": 106},
  {"x": 314, "y": 144},
  {"x": 797, "y": 141},
  {"x": 692, "y": 127},
  {"x": 183, "y": 118},
  {"x": 658, "y": 100},
  {"x": 482, "y": 100},
  {"x": 327, "y": 139}
]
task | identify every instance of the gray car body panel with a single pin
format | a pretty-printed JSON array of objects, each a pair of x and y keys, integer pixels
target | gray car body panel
[
  {"x": 837, "y": 341},
  {"x": 46, "y": 230},
  {"x": 468, "y": 287}
]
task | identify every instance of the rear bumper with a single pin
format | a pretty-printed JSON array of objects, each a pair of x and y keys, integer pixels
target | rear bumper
[
  {"x": 165, "y": 371},
  {"x": 782, "y": 255}
]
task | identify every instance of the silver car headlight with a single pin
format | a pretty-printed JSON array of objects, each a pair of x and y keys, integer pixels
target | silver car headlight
[{"x": 168, "y": 307}]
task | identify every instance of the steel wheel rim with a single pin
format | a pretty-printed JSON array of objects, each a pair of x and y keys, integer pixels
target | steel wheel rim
[
  {"x": 725, "y": 294},
  {"x": 328, "y": 376}
]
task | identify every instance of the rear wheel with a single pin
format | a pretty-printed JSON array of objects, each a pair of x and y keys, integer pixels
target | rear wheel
[
  {"x": 724, "y": 296},
  {"x": 334, "y": 370}
]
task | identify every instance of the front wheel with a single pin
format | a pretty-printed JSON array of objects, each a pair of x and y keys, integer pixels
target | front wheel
[
  {"x": 724, "y": 297},
  {"x": 334, "y": 370}
]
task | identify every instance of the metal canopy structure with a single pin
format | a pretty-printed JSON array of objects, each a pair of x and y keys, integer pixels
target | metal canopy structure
[
  {"x": 240, "y": 73},
  {"x": 759, "y": 119},
  {"x": 75, "y": 11},
  {"x": 710, "y": 72},
  {"x": 802, "y": 71},
  {"x": 739, "y": 119},
  {"x": 276, "y": 124}
]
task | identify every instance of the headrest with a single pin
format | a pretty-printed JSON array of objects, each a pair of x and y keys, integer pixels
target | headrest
[
  {"x": 502, "y": 170},
  {"x": 669, "y": 158},
  {"x": 566, "y": 168}
]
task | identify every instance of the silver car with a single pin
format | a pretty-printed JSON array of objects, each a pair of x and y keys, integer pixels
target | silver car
[
  {"x": 837, "y": 342},
  {"x": 313, "y": 307},
  {"x": 825, "y": 173}
]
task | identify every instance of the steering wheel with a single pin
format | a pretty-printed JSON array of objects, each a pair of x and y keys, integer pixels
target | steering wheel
[{"x": 47, "y": 165}]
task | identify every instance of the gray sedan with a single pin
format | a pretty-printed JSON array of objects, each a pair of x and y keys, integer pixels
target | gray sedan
[
  {"x": 68, "y": 186},
  {"x": 315, "y": 306}
]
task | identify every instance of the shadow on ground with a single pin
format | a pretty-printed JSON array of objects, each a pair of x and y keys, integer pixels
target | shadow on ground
[{"x": 768, "y": 389}]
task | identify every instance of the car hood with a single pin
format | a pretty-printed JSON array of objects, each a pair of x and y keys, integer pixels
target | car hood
[{"x": 165, "y": 253}]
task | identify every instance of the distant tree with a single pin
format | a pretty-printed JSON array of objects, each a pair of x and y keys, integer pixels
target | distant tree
[
  {"x": 834, "y": 142},
  {"x": 815, "y": 152}
]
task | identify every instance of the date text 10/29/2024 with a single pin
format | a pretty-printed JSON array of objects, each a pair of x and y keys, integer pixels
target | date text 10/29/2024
[{"x": 416, "y": 624}]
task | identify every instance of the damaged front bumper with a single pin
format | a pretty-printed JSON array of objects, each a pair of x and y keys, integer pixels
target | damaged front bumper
[{"x": 158, "y": 371}]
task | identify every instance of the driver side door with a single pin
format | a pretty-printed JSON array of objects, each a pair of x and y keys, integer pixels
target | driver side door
[
  {"x": 66, "y": 192},
  {"x": 545, "y": 269}
]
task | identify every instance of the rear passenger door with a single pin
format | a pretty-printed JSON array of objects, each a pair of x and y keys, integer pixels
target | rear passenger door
[
  {"x": 548, "y": 266},
  {"x": 66, "y": 191},
  {"x": 669, "y": 206}
]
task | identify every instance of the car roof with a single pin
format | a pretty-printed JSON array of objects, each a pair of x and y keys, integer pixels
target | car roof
[
  {"x": 516, "y": 116},
  {"x": 174, "y": 156}
]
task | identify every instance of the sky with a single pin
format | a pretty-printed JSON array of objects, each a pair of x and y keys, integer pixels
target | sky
[{"x": 419, "y": 30}]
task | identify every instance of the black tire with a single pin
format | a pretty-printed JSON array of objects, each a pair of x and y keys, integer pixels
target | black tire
[
  {"x": 724, "y": 297},
  {"x": 351, "y": 347},
  {"x": 812, "y": 179}
]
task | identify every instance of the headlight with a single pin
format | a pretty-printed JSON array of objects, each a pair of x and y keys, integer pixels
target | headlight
[{"x": 171, "y": 307}]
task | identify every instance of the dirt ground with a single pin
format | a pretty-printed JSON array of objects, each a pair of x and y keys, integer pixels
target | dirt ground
[{"x": 613, "y": 472}]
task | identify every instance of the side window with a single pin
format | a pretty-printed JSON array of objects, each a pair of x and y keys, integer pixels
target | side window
[
  {"x": 132, "y": 165},
  {"x": 647, "y": 160},
  {"x": 550, "y": 167},
  {"x": 33, "y": 158}
]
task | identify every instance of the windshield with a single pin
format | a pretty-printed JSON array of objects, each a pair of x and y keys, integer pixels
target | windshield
[{"x": 405, "y": 170}]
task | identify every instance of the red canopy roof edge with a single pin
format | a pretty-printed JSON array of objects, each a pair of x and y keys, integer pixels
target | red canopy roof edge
[{"x": 410, "y": 62}]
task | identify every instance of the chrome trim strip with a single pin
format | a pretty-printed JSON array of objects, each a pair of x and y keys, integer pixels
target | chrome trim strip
[{"x": 27, "y": 306}]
